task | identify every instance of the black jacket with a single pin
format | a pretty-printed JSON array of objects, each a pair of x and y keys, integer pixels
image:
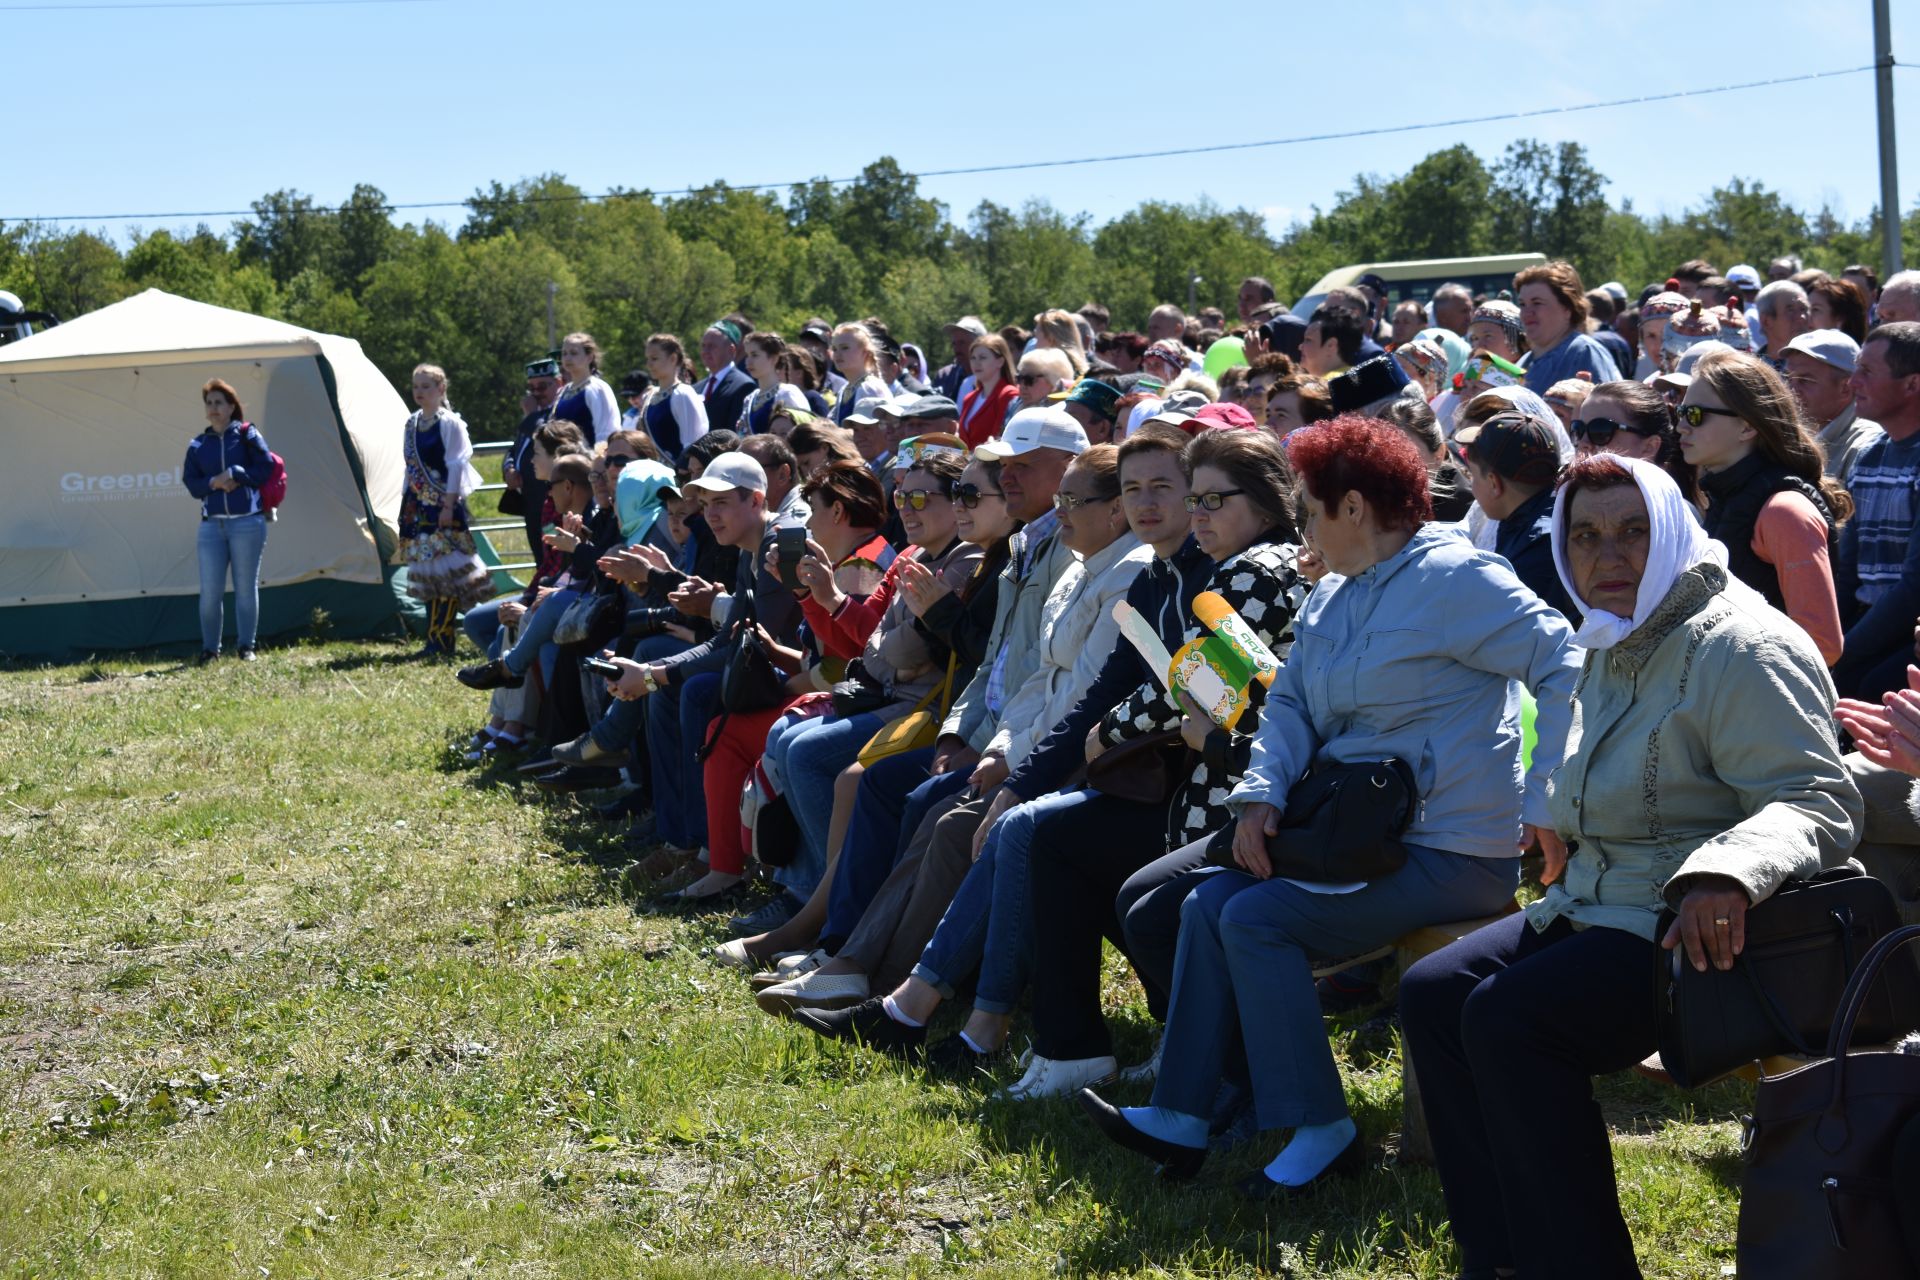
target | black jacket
[
  {"x": 726, "y": 401},
  {"x": 1525, "y": 539}
]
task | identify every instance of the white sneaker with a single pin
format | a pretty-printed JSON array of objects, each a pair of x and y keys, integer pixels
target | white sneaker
[
  {"x": 1059, "y": 1078},
  {"x": 1148, "y": 1071},
  {"x": 732, "y": 955},
  {"x": 814, "y": 991},
  {"x": 787, "y": 966}
]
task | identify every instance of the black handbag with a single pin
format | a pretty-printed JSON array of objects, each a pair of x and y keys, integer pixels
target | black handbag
[
  {"x": 858, "y": 694},
  {"x": 1146, "y": 770},
  {"x": 1830, "y": 1188},
  {"x": 749, "y": 681},
  {"x": 1802, "y": 945},
  {"x": 512, "y": 502},
  {"x": 1342, "y": 824}
]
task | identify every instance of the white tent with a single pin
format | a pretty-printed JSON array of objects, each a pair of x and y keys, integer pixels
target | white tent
[{"x": 96, "y": 529}]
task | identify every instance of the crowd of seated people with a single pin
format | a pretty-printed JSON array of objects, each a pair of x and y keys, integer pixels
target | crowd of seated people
[{"x": 865, "y": 673}]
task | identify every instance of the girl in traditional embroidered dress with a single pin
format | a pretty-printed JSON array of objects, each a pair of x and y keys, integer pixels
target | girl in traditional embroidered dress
[{"x": 443, "y": 569}]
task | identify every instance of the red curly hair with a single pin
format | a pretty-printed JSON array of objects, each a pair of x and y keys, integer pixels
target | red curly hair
[{"x": 1352, "y": 453}]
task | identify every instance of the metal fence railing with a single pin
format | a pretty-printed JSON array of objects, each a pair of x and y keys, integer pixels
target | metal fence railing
[{"x": 485, "y": 531}]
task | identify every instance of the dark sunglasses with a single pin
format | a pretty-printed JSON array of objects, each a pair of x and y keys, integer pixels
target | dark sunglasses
[
  {"x": 970, "y": 495},
  {"x": 1211, "y": 501},
  {"x": 1695, "y": 414},
  {"x": 1028, "y": 379},
  {"x": 1602, "y": 430}
]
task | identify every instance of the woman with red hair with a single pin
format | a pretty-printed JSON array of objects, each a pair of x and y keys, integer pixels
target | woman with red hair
[{"x": 1407, "y": 654}]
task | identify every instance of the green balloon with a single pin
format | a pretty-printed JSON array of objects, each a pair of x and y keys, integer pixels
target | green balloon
[
  {"x": 1223, "y": 355},
  {"x": 1527, "y": 736}
]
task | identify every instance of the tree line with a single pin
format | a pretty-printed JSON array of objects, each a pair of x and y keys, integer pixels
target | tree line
[{"x": 474, "y": 296}]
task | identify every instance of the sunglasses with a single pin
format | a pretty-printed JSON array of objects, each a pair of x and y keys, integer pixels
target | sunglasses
[
  {"x": 1211, "y": 501},
  {"x": 1696, "y": 414},
  {"x": 1073, "y": 502},
  {"x": 1028, "y": 379},
  {"x": 1602, "y": 430},
  {"x": 970, "y": 495},
  {"x": 918, "y": 498}
]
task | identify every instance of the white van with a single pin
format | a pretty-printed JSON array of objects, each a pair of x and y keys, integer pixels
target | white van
[{"x": 1418, "y": 280}]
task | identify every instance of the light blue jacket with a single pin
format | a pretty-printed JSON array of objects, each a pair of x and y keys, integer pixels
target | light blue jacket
[{"x": 1413, "y": 659}]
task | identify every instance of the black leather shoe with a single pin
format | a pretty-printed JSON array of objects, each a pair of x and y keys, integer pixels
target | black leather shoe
[
  {"x": 1175, "y": 1162},
  {"x": 956, "y": 1059},
  {"x": 680, "y": 903},
  {"x": 489, "y": 675},
  {"x": 866, "y": 1023},
  {"x": 573, "y": 777},
  {"x": 1351, "y": 1162}
]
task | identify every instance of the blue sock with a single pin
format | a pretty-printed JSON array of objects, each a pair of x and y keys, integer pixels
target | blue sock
[
  {"x": 1168, "y": 1125},
  {"x": 1313, "y": 1148}
]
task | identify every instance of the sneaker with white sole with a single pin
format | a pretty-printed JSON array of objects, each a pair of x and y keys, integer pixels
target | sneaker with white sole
[
  {"x": 814, "y": 991},
  {"x": 770, "y": 915},
  {"x": 1059, "y": 1077},
  {"x": 1149, "y": 1071},
  {"x": 732, "y": 955},
  {"x": 787, "y": 966}
]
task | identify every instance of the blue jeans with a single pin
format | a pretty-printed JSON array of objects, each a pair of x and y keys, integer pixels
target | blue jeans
[
  {"x": 236, "y": 543},
  {"x": 676, "y": 729},
  {"x": 536, "y": 634},
  {"x": 805, "y": 757},
  {"x": 482, "y": 624},
  {"x": 1244, "y": 976},
  {"x": 986, "y": 923},
  {"x": 894, "y": 797}
]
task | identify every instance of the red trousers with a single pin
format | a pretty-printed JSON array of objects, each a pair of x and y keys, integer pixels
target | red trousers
[{"x": 735, "y": 749}]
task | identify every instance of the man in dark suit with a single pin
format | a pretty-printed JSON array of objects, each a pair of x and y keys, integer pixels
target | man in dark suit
[{"x": 726, "y": 386}]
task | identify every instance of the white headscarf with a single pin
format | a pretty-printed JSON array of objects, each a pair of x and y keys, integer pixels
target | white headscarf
[{"x": 1675, "y": 544}]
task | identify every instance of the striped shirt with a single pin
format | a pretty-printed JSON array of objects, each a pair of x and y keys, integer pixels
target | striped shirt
[{"x": 1884, "y": 485}]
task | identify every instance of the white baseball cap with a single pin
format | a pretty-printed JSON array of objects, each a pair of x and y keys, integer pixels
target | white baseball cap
[
  {"x": 866, "y": 410},
  {"x": 734, "y": 470},
  {"x": 1829, "y": 346},
  {"x": 1038, "y": 428}
]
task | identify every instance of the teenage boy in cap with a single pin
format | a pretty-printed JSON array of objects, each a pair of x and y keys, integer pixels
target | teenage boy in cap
[
  {"x": 904, "y": 905},
  {"x": 726, "y": 386},
  {"x": 1090, "y": 402},
  {"x": 1819, "y": 369},
  {"x": 544, "y": 383},
  {"x": 952, "y": 380},
  {"x": 1513, "y": 460},
  {"x": 682, "y": 690}
]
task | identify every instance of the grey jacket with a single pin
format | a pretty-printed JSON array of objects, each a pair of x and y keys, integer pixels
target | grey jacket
[
  {"x": 1702, "y": 744},
  {"x": 1016, "y": 635}
]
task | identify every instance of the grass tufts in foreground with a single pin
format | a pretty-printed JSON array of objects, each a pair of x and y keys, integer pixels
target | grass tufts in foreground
[{"x": 288, "y": 990}]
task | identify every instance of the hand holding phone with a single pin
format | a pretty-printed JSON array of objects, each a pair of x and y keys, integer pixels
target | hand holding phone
[{"x": 791, "y": 547}]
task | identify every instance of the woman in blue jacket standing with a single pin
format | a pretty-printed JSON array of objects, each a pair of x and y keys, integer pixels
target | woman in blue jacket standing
[{"x": 225, "y": 467}]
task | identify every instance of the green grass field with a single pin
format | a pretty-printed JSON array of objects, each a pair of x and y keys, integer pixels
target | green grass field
[{"x": 288, "y": 990}]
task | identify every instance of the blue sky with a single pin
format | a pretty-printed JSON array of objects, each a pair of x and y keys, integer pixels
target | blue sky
[{"x": 199, "y": 109}]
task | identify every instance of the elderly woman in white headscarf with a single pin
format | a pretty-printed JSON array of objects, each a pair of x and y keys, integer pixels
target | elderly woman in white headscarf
[{"x": 1701, "y": 772}]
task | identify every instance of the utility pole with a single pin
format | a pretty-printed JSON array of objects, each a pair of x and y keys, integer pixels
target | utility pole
[
  {"x": 1889, "y": 168},
  {"x": 1194, "y": 280},
  {"x": 553, "y": 339}
]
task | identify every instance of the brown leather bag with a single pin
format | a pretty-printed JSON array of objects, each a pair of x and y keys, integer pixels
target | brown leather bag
[{"x": 1146, "y": 770}]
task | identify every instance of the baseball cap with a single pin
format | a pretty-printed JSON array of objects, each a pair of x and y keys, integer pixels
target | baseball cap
[
  {"x": 1180, "y": 409},
  {"x": 1372, "y": 280},
  {"x": 893, "y": 407},
  {"x": 818, "y": 329},
  {"x": 1096, "y": 395},
  {"x": 635, "y": 382},
  {"x": 929, "y": 406},
  {"x": 1222, "y": 413},
  {"x": 1743, "y": 277},
  {"x": 865, "y": 412},
  {"x": 1513, "y": 445},
  {"x": 733, "y": 470},
  {"x": 1681, "y": 377},
  {"x": 1615, "y": 290},
  {"x": 969, "y": 325},
  {"x": 548, "y": 368},
  {"x": 1829, "y": 346},
  {"x": 1038, "y": 428}
]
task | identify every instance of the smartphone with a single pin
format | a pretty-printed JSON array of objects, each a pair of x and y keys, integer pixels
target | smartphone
[
  {"x": 602, "y": 667},
  {"x": 791, "y": 545}
]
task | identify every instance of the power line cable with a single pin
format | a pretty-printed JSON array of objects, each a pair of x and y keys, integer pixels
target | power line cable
[
  {"x": 200, "y": 4},
  {"x": 1346, "y": 135}
]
